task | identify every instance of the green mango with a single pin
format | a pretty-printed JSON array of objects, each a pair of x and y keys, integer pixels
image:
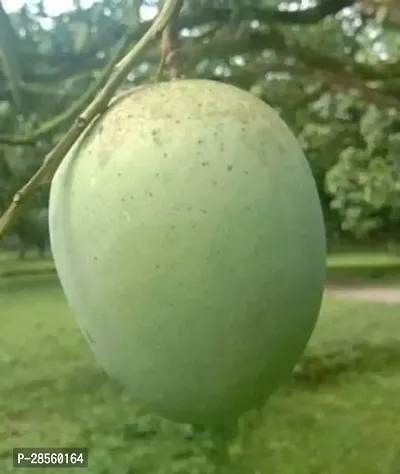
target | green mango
[{"x": 189, "y": 240}]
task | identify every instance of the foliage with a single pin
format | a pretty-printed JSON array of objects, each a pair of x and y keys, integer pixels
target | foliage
[
  {"x": 332, "y": 69},
  {"x": 366, "y": 181}
]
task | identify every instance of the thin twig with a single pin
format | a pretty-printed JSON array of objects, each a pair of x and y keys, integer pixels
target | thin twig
[
  {"x": 75, "y": 109},
  {"x": 170, "y": 56},
  {"x": 98, "y": 105}
]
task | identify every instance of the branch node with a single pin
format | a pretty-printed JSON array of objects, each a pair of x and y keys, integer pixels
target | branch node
[
  {"x": 17, "y": 198},
  {"x": 82, "y": 122}
]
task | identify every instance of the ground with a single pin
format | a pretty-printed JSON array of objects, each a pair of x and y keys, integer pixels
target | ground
[
  {"x": 383, "y": 294},
  {"x": 379, "y": 272},
  {"x": 338, "y": 415}
]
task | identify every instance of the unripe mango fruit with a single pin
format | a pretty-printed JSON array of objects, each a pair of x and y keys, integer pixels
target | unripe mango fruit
[{"x": 188, "y": 238}]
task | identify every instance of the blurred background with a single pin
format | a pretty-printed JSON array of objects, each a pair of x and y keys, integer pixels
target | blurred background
[{"x": 332, "y": 70}]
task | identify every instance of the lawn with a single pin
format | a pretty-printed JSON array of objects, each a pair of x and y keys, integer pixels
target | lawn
[
  {"x": 361, "y": 267},
  {"x": 343, "y": 266},
  {"x": 338, "y": 415}
]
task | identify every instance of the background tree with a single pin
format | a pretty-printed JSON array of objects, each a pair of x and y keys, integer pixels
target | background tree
[{"x": 332, "y": 69}]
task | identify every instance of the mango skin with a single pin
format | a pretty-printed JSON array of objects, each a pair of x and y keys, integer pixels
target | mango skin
[{"x": 188, "y": 238}]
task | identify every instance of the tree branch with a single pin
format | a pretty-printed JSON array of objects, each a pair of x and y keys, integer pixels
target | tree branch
[
  {"x": 169, "y": 47},
  {"x": 254, "y": 41},
  {"x": 99, "y": 104},
  {"x": 306, "y": 16},
  {"x": 336, "y": 81},
  {"x": 189, "y": 19},
  {"x": 69, "y": 114}
]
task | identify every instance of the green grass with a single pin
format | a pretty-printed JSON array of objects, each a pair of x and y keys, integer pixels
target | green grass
[
  {"x": 364, "y": 267},
  {"x": 363, "y": 259},
  {"x": 11, "y": 266},
  {"x": 343, "y": 267},
  {"x": 338, "y": 415}
]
